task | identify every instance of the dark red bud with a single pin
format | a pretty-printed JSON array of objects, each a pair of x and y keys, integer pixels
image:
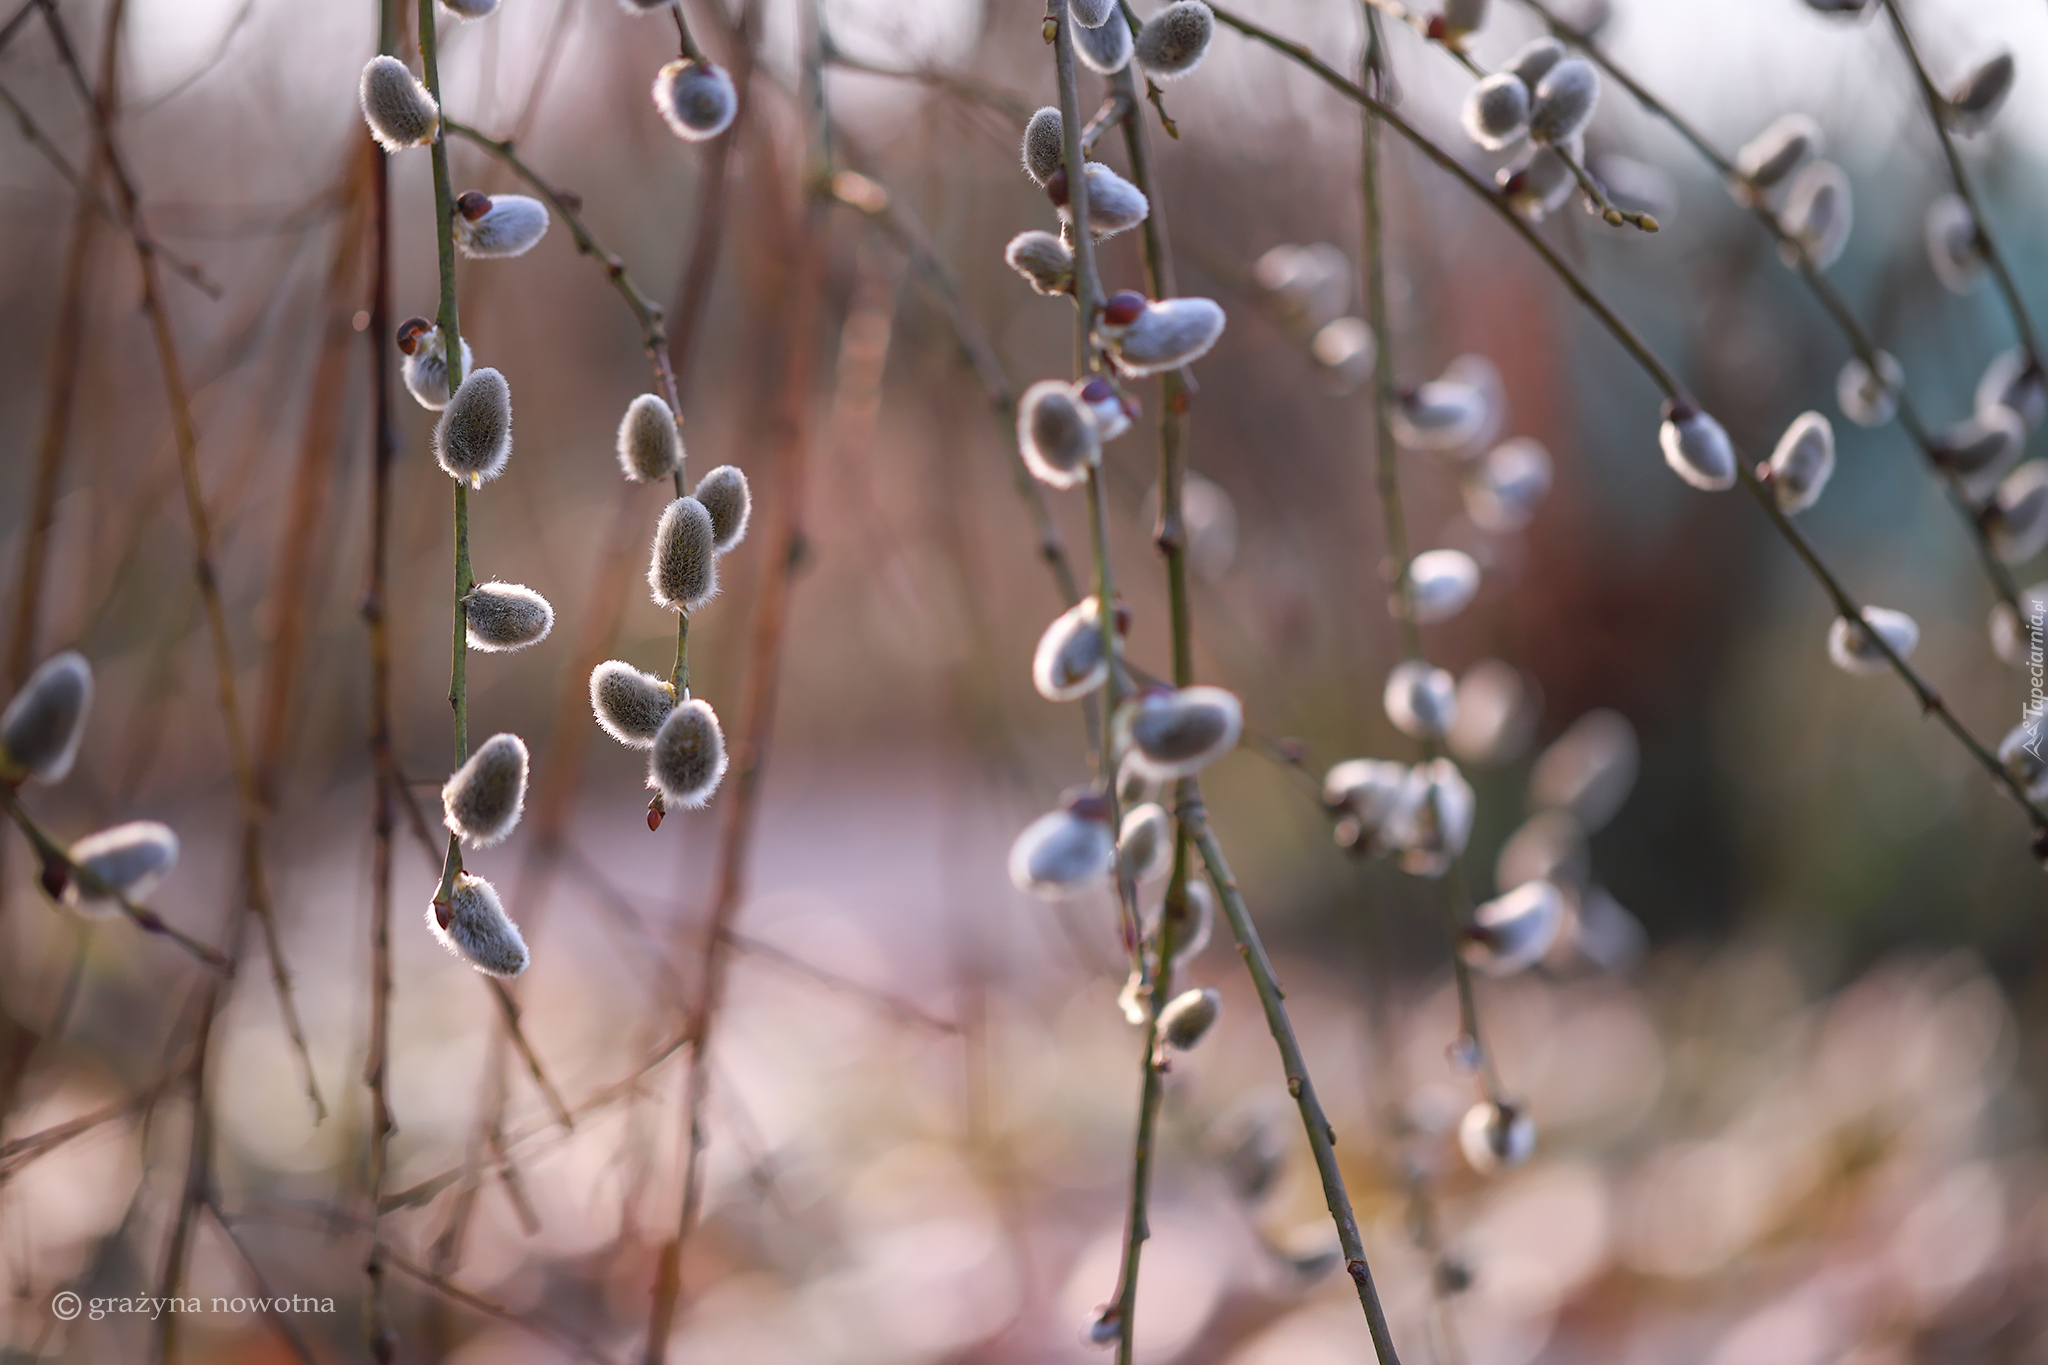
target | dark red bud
[
  {"x": 409, "y": 333},
  {"x": 1089, "y": 805},
  {"x": 1679, "y": 410},
  {"x": 655, "y": 810},
  {"x": 1123, "y": 308},
  {"x": 1056, "y": 188},
  {"x": 56, "y": 877},
  {"x": 1436, "y": 29},
  {"x": 1097, "y": 390},
  {"x": 472, "y": 204},
  {"x": 442, "y": 914}
]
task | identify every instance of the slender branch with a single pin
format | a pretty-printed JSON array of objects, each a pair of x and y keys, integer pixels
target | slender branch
[
  {"x": 1014, "y": 108},
  {"x": 510, "y": 1009},
  {"x": 1660, "y": 374},
  {"x": 1993, "y": 257},
  {"x": 1322, "y": 1139}
]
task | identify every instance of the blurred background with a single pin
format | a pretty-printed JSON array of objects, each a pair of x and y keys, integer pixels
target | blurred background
[{"x": 1789, "y": 1094}]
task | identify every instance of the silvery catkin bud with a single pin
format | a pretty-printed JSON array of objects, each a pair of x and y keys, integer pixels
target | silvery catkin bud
[
  {"x": 684, "y": 567},
  {"x": 1065, "y": 852},
  {"x": 1589, "y": 769},
  {"x": 1435, "y": 822},
  {"x": 725, "y": 496},
  {"x": 2014, "y": 380},
  {"x": 426, "y": 362},
  {"x": 1804, "y": 458},
  {"x": 1043, "y": 260},
  {"x": 1144, "y": 845},
  {"x": 43, "y": 724},
  {"x": 1441, "y": 415},
  {"x": 1173, "y": 733},
  {"x": 696, "y": 98},
  {"x": 1770, "y": 157},
  {"x": 1533, "y": 61},
  {"x": 650, "y": 443},
  {"x": 1503, "y": 487},
  {"x": 1496, "y": 1136},
  {"x": 1104, "y": 49},
  {"x": 473, "y": 439},
  {"x": 688, "y": 757},
  {"x": 1954, "y": 248},
  {"x": 1173, "y": 42},
  {"x": 1441, "y": 583},
  {"x": 1511, "y": 933},
  {"x": 2016, "y": 523},
  {"x": 1983, "y": 448},
  {"x": 1091, "y": 13},
  {"x": 1696, "y": 448},
  {"x": 2022, "y": 755},
  {"x": 2015, "y": 641},
  {"x": 1538, "y": 182},
  {"x": 1868, "y": 399},
  {"x": 1112, "y": 411},
  {"x": 496, "y": 226},
  {"x": 397, "y": 107},
  {"x": 1153, "y": 337},
  {"x": 1851, "y": 648},
  {"x": 1188, "y": 1017},
  {"x": 1496, "y": 112},
  {"x": 1068, "y": 662},
  {"x": 473, "y": 925},
  {"x": 1045, "y": 148},
  {"x": 1818, "y": 215},
  {"x": 1373, "y": 796},
  {"x": 128, "y": 860},
  {"x": 483, "y": 800},
  {"x": 630, "y": 705},
  {"x": 1421, "y": 699},
  {"x": 506, "y": 616},
  {"x": 1114, "y": 203},
  {"x": 1974, "y": 99},
  {"x": 1563, "y": 102},
  {"x": 1056, "y": 433}
]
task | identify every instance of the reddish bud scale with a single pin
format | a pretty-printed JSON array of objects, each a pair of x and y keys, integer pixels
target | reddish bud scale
[{"x": 1123, "y": 308}]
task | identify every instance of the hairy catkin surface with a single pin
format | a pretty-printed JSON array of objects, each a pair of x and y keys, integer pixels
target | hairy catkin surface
[
  {"x": 726, "y": 498},
  {"x": 506, "y": 616},
  {"x": 688, "y": 757},
  {"x": 1173, "y": 42},
  {"x": 474, "y": 438},
  {"x": 1045, "y": 148},
  {"x": 696, "y": 98},
  {"x": 484, "y": 798},
  {"x": 128, "y": 859},
  {"x": 41, "y": 728},
  {"x": 684, "y": 571},
  {"x": 629, "y": 705},
  {"x": 397, "y": 107},
  {"x": 474, "y": 926},
  {"x": 650, "y": 444}
]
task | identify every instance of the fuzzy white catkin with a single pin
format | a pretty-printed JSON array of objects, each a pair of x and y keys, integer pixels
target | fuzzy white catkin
[
  {"x": 629, "y": 705},
  {"x": 2012, "y": 380},
  {"x": 1511, "y": 933},
  {"x": 1167, "y": 335},
  {"x": 1496, "y": 111},
  {"x": 1173, "y": 42},
  {"x": 696, "y": 99},
  {"x": 1056, "y": 434},
  {"x": 1092, "y": 13},
  {"x": 473, "y": 440},
  {"x": 1503, "y": 487},
  {"x": 1104, "y": 49},
  {"x": 1563, "y": 102},
  {"x": 1698, "y": 451},
  {"x": 400, "y": 112},
  {"x": 1802, "y": 462},
  {"x": 1441, "y": 584},
  {"x": 1588, "y": 770},
  {"x": 1189, "y": 1016},
  {"x": 1537, "y": 183},
  {"x": 1770, "y": 157},
  {"x": 1421, "y": 699},
  {"x": 506, "y": 616},
  {"x": 482, "y": 802},
  {"x": 688, "y": 758},
  {"x": 129, "y": 859},
  {"x": 1068, "y": 662},
  {"x": 511, "y": 226},
  {"x": 725, "y": 495},
  {"x": 2015, "y": 640},
  {"x": 1869, "y": 399},
  {"x": 1043, "y": 260},
  {"x": 474, "y": 927},
  {"x": 1532, "y": 62},
  {"x": 1441, "y": 415},
  {"x": 1435, "y": 822},
  {"x": 1061, "y": 854},
  {"x": 1345, "y": 347},
  {"x": 683, "y": 570},
  {"x": 41, "y": 729},
  {"x": 1974, "y": 99},
  {"x": 2017, "y": 521},
  {"x": 1172, "y": 734},
  {"x": 2024, "y": 754},
  {"x": 1983, "y": 448},
  {"x": 1953, "y": 248},
  {"x": 1106, "y": 405},
  {"x": 1144, "y": 844},
  {"x": 1114, "y": 203},
  {"x": 1818, "y": 215},
  {"x": 1373, "y": 796},
  {"x": 1045, "y": 148},
  {"x": 650, "y": 445},
  {"x": 1494, "y": 1137},
  {"x": 426, "y": 370},
  {"x": 1851, "y": 649}
]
